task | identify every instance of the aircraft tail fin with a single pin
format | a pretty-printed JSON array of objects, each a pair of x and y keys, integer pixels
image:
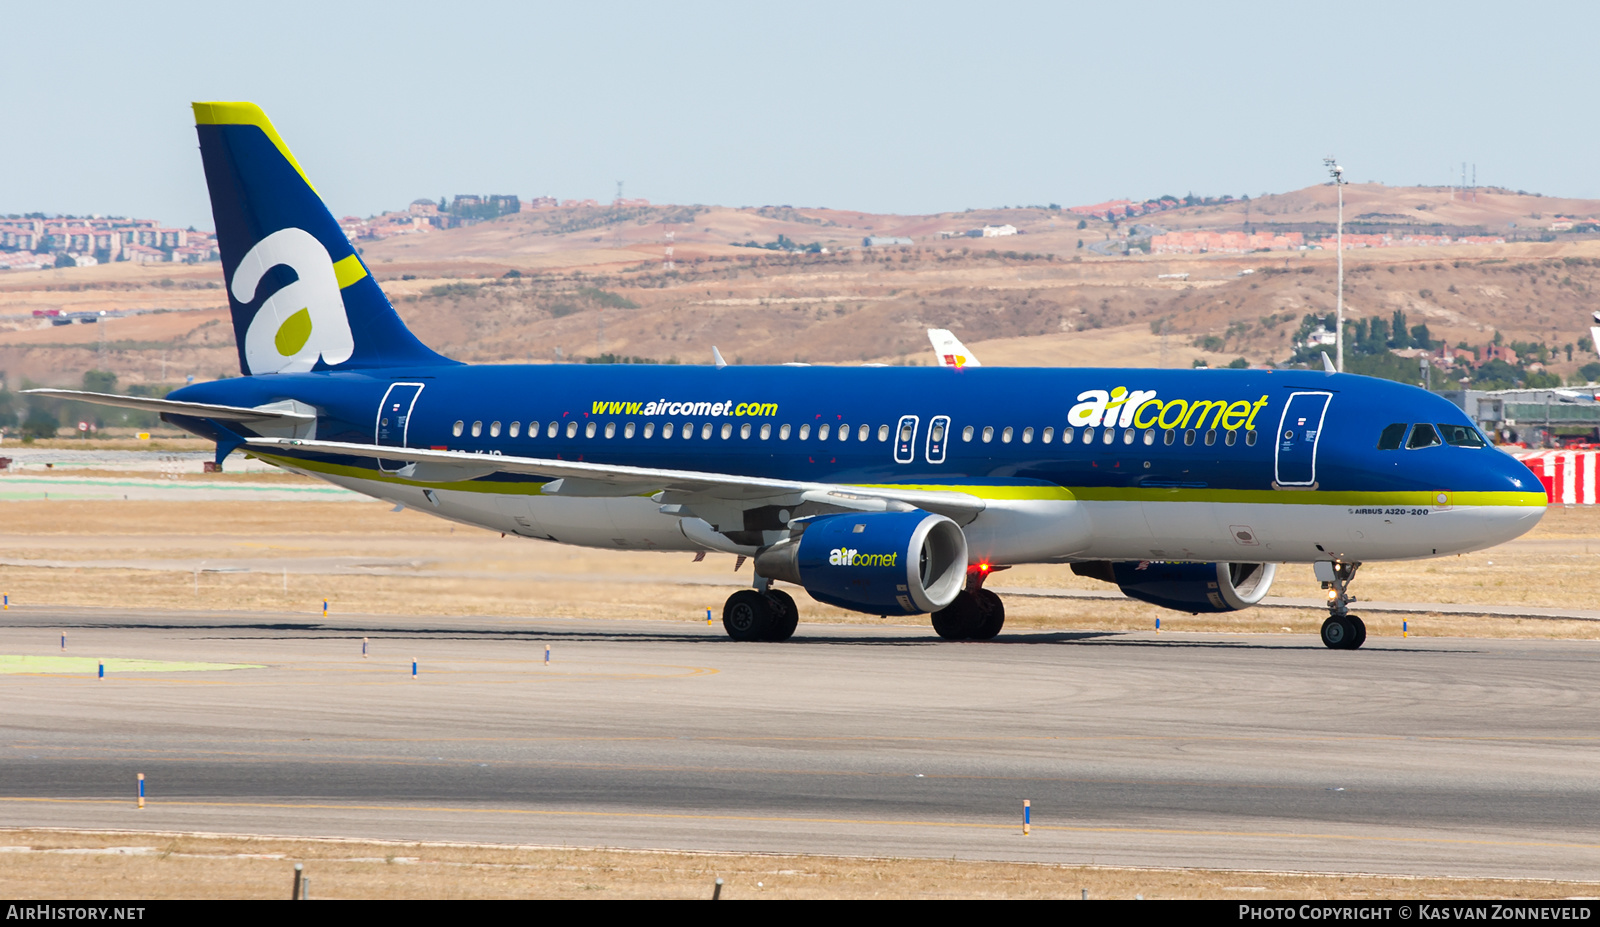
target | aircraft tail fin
[
  {"x": 949, "y": 350},
  {"x": 301, "y": 297}
]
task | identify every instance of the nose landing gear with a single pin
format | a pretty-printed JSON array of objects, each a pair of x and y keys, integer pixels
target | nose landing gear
[{"x": 1342, "y": 630}]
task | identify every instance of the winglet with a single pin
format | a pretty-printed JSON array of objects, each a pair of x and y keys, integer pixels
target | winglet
[
  {"x": 949, "y": 351},
  {"x": 716, "y": 357},
  {"x": 1327, "y": 365}
]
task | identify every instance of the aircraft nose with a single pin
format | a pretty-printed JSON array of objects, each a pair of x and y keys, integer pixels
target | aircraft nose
[{"x": 1509, "y": 498}]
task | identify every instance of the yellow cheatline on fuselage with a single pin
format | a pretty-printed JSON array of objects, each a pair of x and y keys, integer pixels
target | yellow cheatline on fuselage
[{"x": 998, "y": 493}]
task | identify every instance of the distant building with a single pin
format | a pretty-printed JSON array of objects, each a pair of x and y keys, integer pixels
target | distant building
[
  {"x": 992, "y": 231},
  {"x": 880, "y": 241}
]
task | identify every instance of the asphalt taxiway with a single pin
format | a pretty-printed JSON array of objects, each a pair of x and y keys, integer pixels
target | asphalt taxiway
[{"x": 1423, "y": 756}]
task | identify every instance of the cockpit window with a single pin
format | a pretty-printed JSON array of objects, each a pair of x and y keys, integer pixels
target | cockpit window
[
  {"x": 1422, "y": 435},
  {"x": 1461, "y": 435},
  {"x": 1392, "y": 436}
]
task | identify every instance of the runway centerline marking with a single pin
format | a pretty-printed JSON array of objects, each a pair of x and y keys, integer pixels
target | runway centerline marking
[{"x": 784, "y": 819}]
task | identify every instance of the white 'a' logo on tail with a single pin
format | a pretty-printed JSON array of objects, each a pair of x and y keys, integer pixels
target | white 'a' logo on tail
[{"x": 304, "y": 320}]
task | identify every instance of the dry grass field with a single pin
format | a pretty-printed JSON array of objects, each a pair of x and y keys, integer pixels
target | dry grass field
[
  {"x": 367, "y": 559},
  {"x": 42, "y": 864}
]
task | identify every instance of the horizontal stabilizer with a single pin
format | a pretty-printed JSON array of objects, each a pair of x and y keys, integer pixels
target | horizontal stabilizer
[
  {"x": 447, "y": 466},
  {"x": 193, "y": 409}
]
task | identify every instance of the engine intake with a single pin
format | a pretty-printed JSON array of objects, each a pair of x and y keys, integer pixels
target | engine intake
[
  {"x": 1186, "y": 587},
  {"x": 882, "y": 563}
]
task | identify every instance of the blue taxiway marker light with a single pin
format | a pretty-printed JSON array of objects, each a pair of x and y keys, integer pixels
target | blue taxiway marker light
[
  {"x": 363, "y": 648},
  {"x": 413, "y": 669},
  {"x": 1405, "y": 629},
  {"x": 8, "y": 603},
  {"x": 546, "y": 654},
  {"x": 708, "y": 616},
  {"x": 1158, "y": 625},
  {"x": 102, "y": 669},
  {"x": 324, "y": 608},
  {"x": 63, "y": 640},
  {"x": 141, "y": 790},
  {"x": 1027, "y": 816}
]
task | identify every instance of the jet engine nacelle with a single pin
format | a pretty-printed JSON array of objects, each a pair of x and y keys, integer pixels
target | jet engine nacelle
[
  {"x": 882, "y": 563},
  {"x": 1186, "y": 587}
]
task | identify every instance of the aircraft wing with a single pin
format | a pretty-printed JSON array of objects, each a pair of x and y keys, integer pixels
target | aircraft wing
[
  {"x": 194, "y": 409},
  {"x": 581, "y": 478},
  {"x": 949, "y": 350}
]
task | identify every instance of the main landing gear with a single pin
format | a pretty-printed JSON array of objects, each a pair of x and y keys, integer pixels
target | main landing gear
[
  {"x": 1342, "y": 630},
  {"x": 976, "y": 615},
  {"x": 760, "y": 615}
]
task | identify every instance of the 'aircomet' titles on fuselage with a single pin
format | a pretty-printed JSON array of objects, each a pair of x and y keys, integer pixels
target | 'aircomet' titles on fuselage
[{"x": 1121, "y": 407}]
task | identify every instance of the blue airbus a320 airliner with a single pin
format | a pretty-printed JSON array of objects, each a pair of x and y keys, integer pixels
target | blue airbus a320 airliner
[{"x": 890, "y": 491}]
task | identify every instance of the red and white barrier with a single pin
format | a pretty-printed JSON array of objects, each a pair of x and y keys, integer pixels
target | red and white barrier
[{"x": 1568, "y": 476}]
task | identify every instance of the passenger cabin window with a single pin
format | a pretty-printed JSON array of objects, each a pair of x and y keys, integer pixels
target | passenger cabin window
[
  {"x": 1211, "y": 437},
  {"x": 1250, "y": 437},
  {"x": 783, "y": 432},
  {"x": 1188, "y": 438},
  {"x": 1169, "y": 436},
  {"x": 457, "y": 427},
  {"x": 477, "y": 429},
  {"x": 1067, "y": 435},
  {"x": 1048, "y": 435},
  {"x": 572, "y": 429},
  {"x": 727, "y": 430},
  {"x": 589, "y": 429},
  {"x": 1422, "y": 435},
  {"x": 805, "y": 432},
  {"x": 611, "y": 429},
  {"x": 766, "y": 431},
  {"x": 1391, "y": 437},
  {"x": 650, "y": 430},
  {"x": 666, "y": 431},
  {"x": 883, "y": 432},
  {"x": 1149, "y": 436},
  {"x": 1229, "y": 438},
  {"x": 1107, "y": 435},
  {"x": 744, "y": 430},
  {"x": 1462, "y": 435},
  {"x": 494, "y": 429},
  {"x": 822, "y": 432},
  {"x": 1005, "y": 436},
  {"x": 988, "y": 433},
  {"x": 1027, "y": 436},
  {"x": 516, "y": 429},
  {"x": 844, "y": 432},
  {"x": 627, "y": 430},
  {"x": 705, "y": 432},
  {"x": 865, "y": 430},
  {"x": 966, "y": 433}
]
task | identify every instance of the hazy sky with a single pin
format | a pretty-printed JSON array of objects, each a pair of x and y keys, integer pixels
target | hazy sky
[{"x": 910, "y": 108}]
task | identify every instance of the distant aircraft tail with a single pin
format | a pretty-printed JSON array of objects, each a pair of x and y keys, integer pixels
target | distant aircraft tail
[
  {"x": 949, "y": 349},
  {"x": 301, "y": 297}
]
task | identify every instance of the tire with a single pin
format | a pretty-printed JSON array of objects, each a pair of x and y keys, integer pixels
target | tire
[
  {"x": 787, "y": 618},
  {"x": 993, "y": 612},
  {"x": 959, "y": 620},
  {"x": 749, "y": 616},
  {"x": 1360, "y": 628},
  {"x": 1337, "y": 633}
]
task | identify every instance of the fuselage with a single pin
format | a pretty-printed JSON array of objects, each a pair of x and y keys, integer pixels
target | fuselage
[{"x": 1075, "y": 463}]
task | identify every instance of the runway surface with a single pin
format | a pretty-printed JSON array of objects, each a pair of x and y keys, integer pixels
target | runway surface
[{"x": 1454, "y": 757}]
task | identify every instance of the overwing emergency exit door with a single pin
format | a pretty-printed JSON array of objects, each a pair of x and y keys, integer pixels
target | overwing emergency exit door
[{"x": 1299, "y": 432}]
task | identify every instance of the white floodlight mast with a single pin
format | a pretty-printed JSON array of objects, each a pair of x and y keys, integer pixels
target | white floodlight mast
[{"x": 1338, "y": 331}]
